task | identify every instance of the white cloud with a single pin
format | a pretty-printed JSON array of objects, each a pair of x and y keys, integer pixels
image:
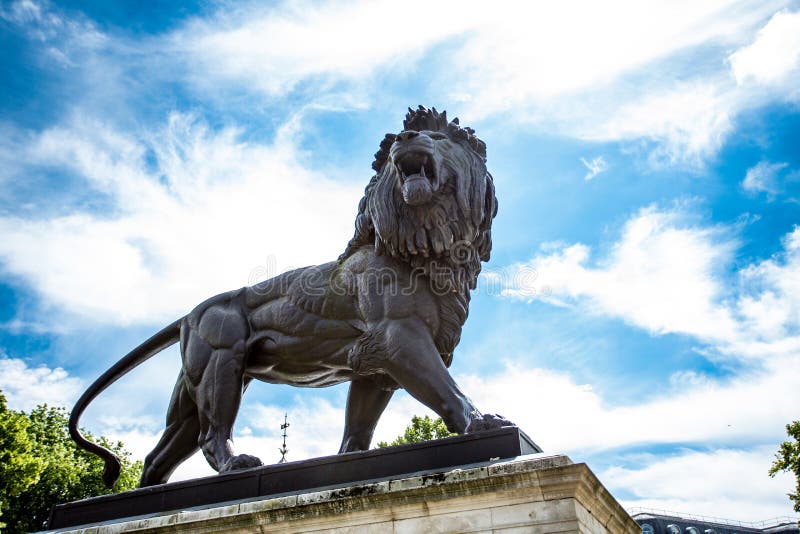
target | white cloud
[
  {"x": 60, "y": 35},
  {"x": 620, "y": 71},
  {"x": 516, "y": 54},
  {"x": 21, "y": 12},
  {"x": 751, "y": 408},
  {"x": 617, "y": 72},
  {"x": 774, "y": 56},
  {"x": 739, "y": 420},
  {"x": 659, "y": 276},
  {"x": 763, "y": 177},
  {"x": 689, "y": 116},
  {"x": 274, "y": 49},
  {"x": 666, "y": 274},
  {"x": 213, "y": 212},
  {"x": 770, "y": 305},
  {"x": 728, "y": 483},
  {"x": 687, "y": 121},
  {"x": 595, "y": 166},
  {"x": 26, "y": 387},
  {"x": 534, "y": 53}
]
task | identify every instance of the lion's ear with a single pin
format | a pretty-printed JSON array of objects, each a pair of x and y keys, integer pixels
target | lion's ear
[{"x": 490, "y": 195}]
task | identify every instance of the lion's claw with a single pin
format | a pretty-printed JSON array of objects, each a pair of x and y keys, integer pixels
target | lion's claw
[
  {"x": 240, "y": 461},
  {"x": 488, "y": 421}
]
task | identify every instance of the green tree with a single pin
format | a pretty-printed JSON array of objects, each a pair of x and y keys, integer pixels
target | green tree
[
  {"x": 41, "y": 466},
  {"x": 19, "y": 466},
  {"x": 420, "y": 429},
  {"x": 788, "y": 459}
]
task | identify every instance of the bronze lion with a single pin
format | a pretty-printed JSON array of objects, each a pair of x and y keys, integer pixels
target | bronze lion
[{"x": 386, "y": 315}]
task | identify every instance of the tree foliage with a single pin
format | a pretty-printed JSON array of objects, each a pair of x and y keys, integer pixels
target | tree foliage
[
  {"x": 19, "y": 466},
  {"x": 41, "y": 466},
  {"x": 420, "y": 429},
  {"x": 788, "y": 459}
]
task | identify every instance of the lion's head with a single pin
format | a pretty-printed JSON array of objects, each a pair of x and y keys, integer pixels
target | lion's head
[{"x": 432, "y": 198}]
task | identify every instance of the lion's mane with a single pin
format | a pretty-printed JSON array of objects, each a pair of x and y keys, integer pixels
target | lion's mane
[{"x": 448, "y": 237}]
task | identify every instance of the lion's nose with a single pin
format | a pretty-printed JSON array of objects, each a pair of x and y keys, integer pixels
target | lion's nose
[{"x": 407, "y": 134}]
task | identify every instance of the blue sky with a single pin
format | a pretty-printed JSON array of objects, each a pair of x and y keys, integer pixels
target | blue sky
[{"x": 641, "y": 311}]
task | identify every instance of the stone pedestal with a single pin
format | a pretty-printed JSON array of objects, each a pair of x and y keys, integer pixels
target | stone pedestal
[{"x": 532, "y": 493}]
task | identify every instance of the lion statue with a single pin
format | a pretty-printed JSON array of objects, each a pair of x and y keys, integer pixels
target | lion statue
[{"x": 386, "y": 315}]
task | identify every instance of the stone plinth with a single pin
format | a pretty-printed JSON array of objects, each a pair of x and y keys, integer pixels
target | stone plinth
[
  {"x": 304, "y": 476},
  {"x": 534, "y": 493}
]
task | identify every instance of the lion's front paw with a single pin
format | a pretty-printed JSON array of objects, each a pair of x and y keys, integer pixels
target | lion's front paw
[
  {"x": 240, "y": 461},
  {"x": 488, "y": 421}
]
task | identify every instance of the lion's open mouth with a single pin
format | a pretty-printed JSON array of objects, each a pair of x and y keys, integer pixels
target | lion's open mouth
[
  {"x": 416, "y": 165},
  {"x": 418, "y": 175}
]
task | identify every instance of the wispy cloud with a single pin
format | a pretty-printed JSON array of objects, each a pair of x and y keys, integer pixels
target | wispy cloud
[
  {"x": 598, "y": 76},
  {"x": 60, "y": 36},
  {"x": 595, "y": 166},
  {"x": 763, "y": 178},
  {"x": 666, "y": 274},
  {"x": 204, "y": 213},
  {"x": 273, "y": 49},
  {"x": 658, "y": 276},
  {"x": 685, "y": 123},
  {"x": 613, "y": 80}
]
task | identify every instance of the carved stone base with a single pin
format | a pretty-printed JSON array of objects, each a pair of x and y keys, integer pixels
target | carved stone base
[{"x": 533, "y": 493}]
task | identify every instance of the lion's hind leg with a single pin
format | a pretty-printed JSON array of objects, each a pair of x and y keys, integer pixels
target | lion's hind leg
[
  {"x": 179, "y": 440},
  {"x": 214, "y": 363}
]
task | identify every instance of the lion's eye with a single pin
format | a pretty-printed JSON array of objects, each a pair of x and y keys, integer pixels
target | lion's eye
[{"x": 437, "y": 136}]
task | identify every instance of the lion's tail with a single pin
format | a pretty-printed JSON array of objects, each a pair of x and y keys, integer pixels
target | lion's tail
[{"x": 160, "y": 341}]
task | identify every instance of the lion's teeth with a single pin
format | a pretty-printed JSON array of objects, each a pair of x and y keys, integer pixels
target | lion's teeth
[{"x": 422, "y": 171}]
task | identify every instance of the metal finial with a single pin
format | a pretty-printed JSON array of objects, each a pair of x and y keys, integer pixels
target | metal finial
[{"x": 283, "y": 450}]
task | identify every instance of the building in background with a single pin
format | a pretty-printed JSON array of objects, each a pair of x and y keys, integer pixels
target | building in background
[{"x": 663, "y": 522}]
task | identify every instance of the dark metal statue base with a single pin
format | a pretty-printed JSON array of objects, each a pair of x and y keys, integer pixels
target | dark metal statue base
[{"x": 292, "y": 477}]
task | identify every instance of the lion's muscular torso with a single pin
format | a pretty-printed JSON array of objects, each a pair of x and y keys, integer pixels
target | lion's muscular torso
[{"x": 302, "y": 327}]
